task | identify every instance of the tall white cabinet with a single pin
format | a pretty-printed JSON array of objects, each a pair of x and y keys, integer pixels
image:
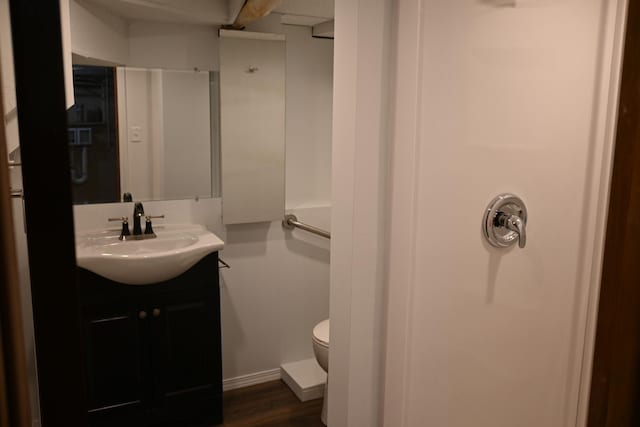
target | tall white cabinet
[{"x": 252, "y": 125}]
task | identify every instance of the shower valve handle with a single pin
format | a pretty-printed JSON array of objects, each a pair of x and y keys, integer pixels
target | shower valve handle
[{"x": 505, "y": 221}]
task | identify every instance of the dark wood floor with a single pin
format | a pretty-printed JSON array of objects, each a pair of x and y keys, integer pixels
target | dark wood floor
[{"x": 270, "y": 404}]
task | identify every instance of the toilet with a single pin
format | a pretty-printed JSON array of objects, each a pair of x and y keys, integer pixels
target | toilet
[{"x": 321, "y": 350}]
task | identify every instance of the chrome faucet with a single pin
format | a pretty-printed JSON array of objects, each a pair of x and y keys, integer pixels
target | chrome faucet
[{"x": 138, "y": 213}]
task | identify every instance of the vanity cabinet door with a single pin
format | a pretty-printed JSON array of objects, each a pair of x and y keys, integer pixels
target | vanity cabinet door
[
  {"x": 153, "y": 353},
  {"x": 116, "y": 339},
  {"x": 186, "y": 356}
]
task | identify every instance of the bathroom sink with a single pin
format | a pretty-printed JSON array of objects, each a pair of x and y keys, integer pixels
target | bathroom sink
[{"x": 176, "y": 248}]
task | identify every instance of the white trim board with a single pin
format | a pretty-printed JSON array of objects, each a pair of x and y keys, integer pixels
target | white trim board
[
  {"x": 251, "y": 379},
  {"x": 608, "y": 98},
  {"x": 237, "y": 34},
  {"x": 361, "y": 99}
]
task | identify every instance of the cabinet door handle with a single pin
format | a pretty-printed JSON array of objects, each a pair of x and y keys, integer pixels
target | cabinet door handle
[
  {"x": 156, "y": 312},
  {"x": 142, "y": 315}
]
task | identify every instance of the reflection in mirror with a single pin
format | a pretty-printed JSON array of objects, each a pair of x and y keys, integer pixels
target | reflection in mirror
[
  {"x": 92, "y": 136},
  {"x": 149, "y": 132}
]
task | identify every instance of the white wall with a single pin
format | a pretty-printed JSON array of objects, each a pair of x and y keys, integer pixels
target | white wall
[
  {"x": 96, "y": 33},
  {"x": 309, "y": 99},
  {"x": 173, "y": 46},
  {"x": 275, "y": 293}
]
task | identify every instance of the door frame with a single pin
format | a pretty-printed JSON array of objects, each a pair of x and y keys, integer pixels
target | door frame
[
  {"x": 42, "y": 125},
  {"x": 361, "y": 89},
  {"x": 615, "y": 386},
  {"x": 14, "y": 387}
]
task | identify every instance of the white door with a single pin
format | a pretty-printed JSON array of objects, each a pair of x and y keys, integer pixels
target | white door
[{"x": 496, "y": 96}]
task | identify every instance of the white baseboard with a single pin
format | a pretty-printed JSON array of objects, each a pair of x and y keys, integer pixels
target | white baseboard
[{"x": 251, "y": 379}]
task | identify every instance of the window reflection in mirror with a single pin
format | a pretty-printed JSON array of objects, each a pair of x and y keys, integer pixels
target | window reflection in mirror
[
  {"x": 149, "y": 132},
  {"x": 92, "y": 136}
]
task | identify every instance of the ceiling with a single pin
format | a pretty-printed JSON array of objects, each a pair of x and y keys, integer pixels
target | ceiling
[
  {"x": 214, "y": 12},
  {"x": 311, "y": 8}
]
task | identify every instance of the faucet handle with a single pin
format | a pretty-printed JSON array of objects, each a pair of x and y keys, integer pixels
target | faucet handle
[
  {"x": 124, "y": 233},
  {"x": 122, "y": 218},
  {"x": 148, "y": 228},
  {"x": 505, "y": 221},
  {"x": 515, "y": 224}
]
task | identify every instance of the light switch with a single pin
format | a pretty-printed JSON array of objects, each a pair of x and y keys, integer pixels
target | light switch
[{"x": 135, "y": 134}]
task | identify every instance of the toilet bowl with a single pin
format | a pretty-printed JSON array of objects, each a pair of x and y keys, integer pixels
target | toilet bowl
[{"x": 321, "y": 350}]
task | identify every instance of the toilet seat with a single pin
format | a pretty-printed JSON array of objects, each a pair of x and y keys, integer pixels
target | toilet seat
[
  {"x": 320, "y": 338},
  {"x": 321, "y": 333}
]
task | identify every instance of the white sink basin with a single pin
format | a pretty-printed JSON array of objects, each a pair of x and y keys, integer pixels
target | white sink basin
[{"x": 176, "y": 248}]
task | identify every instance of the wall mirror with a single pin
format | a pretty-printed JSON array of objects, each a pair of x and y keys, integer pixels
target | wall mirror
[
  {"x": 148, "y": 133},
  {"x": 145, "y": 121}
]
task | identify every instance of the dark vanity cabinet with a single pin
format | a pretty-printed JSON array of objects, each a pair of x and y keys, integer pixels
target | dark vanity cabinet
[{"x": 153, "y": 353}]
